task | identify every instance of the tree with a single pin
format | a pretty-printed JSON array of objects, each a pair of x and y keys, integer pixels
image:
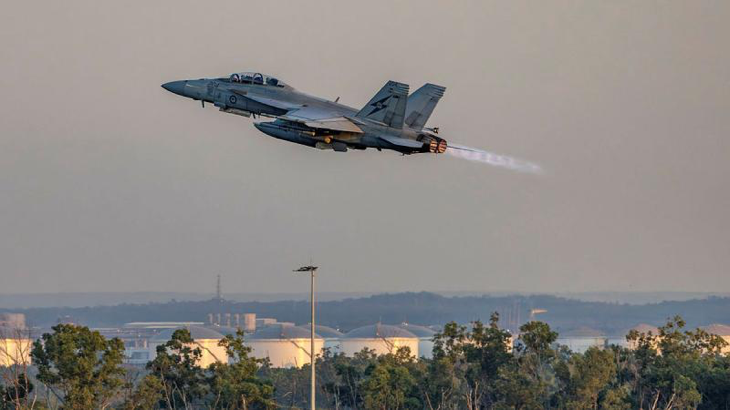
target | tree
[
  {"x": 328, "y": 379},
  {"x": 530, "y": 379},
  {"x": 490, "y": 346},
  {"x": 537, "y": 338},
  {"x": 518, "y": 390},
  {"x": 617, "y": 398},
  {"x": 351, "y": 372},
  {"x": 146, "y": 395},
  {"x": 489, "y": 350},
  {"x": 478, "y": 369},
  {"x": 15, "y": 347},
  {"x": 81, "y": 367},
  {"x": 389, "y": 383},
  {"x": 177, "y": 371},
  {"x": 386, "y": 386},
  {"x": 441, "y": 384},
  {"x": 16, "y": 394},
  {"x": 473, "y": 359},
  {"x": 675, "y": 366},
  {"x": 588, "y": 374},
  {"x": 291, "y": 385},
  {"x": 236, "y": 385}
]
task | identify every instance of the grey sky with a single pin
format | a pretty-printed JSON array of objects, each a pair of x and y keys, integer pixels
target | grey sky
[{"x": 107, "y": 182}]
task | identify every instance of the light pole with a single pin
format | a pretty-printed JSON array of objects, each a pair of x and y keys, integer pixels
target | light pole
[{"x": 311, "y": 269}]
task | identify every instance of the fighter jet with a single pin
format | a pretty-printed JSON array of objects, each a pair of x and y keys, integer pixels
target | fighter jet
[{"x": 392, "y": 119}]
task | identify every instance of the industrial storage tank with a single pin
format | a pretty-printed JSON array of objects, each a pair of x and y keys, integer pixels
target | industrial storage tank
[
  {"x": 383, "y": 339},
  {"x": 204, "y": 339},
  {"x": 16, "y": 341},
  {"x": 284, "y": 345},
  {"x": 425, "y": 338},
  {"x": 330, "y": 335},
  {"x": 580, "y": 339},
  {"x": 224, "y": 330}
]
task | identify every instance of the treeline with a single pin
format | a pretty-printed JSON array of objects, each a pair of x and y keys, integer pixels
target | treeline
[
  {"x": 476, "y": 368},
  {"x": 421, "y": 308}
]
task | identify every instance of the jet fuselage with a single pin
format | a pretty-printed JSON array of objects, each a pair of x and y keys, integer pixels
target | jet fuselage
[{"x": 309, "y": 120}]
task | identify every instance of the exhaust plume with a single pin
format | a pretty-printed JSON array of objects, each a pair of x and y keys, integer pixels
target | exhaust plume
[{"x": 485, "y": 157}]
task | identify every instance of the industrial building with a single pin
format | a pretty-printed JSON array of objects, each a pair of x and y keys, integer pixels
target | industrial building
[
  {"x": 205, "y": 339},
  {"x": 284, "y": 345},
  {"x": 425, "y": 338},
  {"x": 383, "y": 339},
  {"x": 245, "y": 321}
]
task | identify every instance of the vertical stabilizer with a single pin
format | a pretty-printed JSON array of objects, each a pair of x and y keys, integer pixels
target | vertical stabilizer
[
  {"x": 388, "y": 106},
  {"x": 421, "y": 104}
]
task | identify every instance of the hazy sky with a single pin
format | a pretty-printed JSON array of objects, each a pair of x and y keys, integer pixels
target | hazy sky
[{"x": 108, "y": 182}]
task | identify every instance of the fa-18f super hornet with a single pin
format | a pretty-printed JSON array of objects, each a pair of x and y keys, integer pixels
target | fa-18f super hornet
[{"x": 392, "y": 119}]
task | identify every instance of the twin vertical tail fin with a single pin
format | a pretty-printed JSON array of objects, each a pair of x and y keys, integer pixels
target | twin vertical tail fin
[
  {"x": 388, "y": 106},
  {"x": 421, "y": 104}
]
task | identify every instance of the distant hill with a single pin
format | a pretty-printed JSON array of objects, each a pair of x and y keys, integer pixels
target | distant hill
[
  {"x": 418, "y": 308},
  {"x": 82, "y": 299}
]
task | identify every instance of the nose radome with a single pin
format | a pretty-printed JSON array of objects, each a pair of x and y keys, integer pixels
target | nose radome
[{"x": 176, "y": 87}]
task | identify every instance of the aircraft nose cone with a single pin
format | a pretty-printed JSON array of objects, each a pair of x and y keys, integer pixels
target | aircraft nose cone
[{"x": 175, "y": 87}]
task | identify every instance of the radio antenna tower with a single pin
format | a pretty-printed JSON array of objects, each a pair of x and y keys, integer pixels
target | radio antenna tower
[{"x": 218, "y": 295}]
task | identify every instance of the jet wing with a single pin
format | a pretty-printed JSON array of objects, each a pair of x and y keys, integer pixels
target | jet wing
[
  {"x": 269, "y": 101},
  {"x": 320, "y": 118},
  {"x": 335, "y": 124}
]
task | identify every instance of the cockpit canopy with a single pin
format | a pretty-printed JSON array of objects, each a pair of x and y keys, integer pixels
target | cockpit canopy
[{"x": 255, "y": 78}]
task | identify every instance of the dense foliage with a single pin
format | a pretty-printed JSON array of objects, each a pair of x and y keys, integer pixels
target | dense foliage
[
  {"x": 477, "y": 367},
  {"x": 79, "y": 366}
]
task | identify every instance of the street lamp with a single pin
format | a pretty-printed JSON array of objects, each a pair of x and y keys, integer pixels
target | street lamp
[{"x": 311, "y": 269}]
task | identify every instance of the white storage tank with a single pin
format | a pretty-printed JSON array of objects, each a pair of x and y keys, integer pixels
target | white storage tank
[
  {"x": 383, "y": 339},
  {"x": 205, "y": 339},
  {"x": 284, "y": 345},
  {"x": 224, "y": 330},
  {"x": 330, "y": 335},
  {"x": 580, "y": 339},
  {"x": 425, "y": 338},
  {"x": 15, "y": 346}
]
